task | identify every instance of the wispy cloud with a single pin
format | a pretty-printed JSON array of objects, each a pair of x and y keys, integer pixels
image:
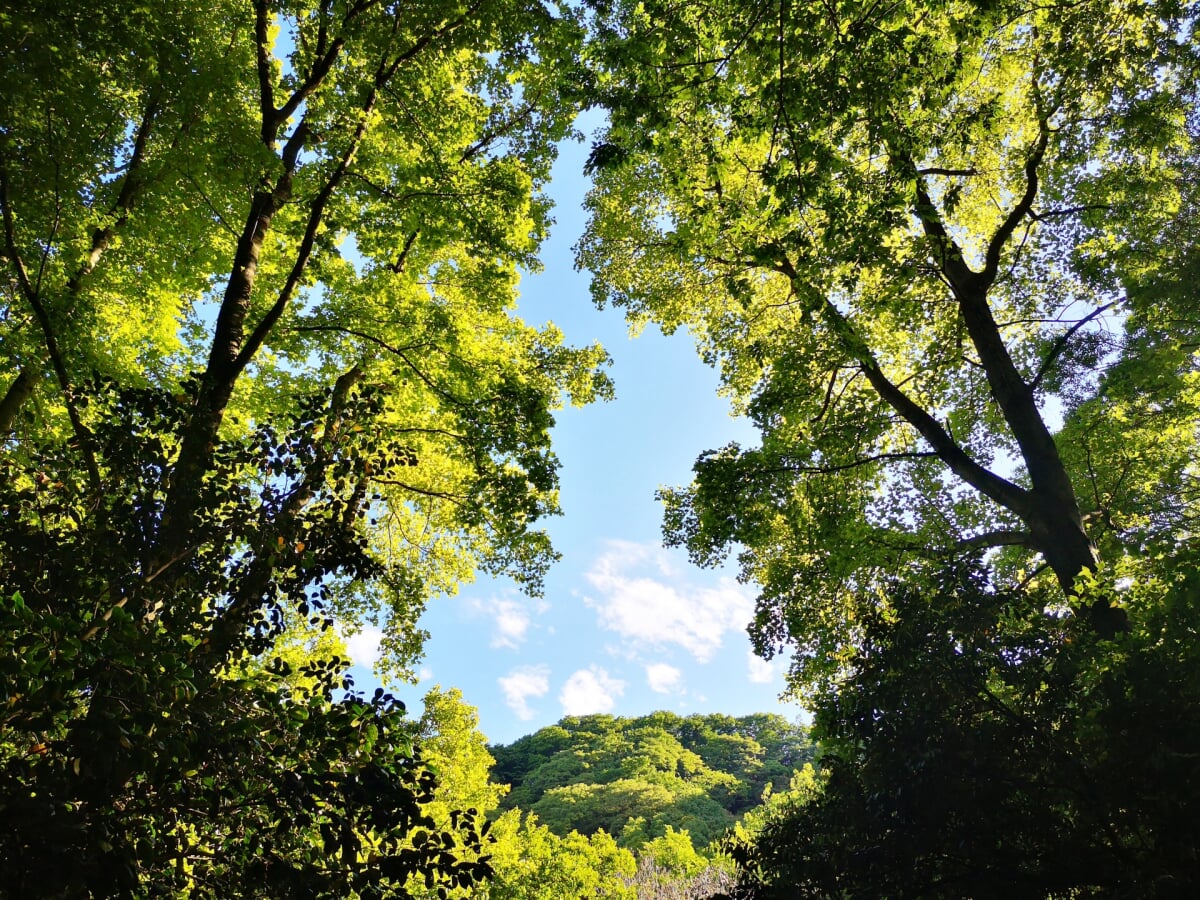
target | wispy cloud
[
  {"x": 363, "y": 646},
  {"x": 760, "y": 670},
  {"x": 522, "y": 683},
  {"x": 645, "y": 598},
  {"x": 663, "y": 679},
  {"x": 510, "y": 618},
  {"x": 590, "y": 690}
]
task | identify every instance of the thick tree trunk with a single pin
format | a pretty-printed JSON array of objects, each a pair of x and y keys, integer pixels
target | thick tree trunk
[{"x": 1053, "y": 516}]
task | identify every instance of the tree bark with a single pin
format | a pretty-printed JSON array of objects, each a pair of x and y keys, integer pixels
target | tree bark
[{"x": 14, "y": 398}]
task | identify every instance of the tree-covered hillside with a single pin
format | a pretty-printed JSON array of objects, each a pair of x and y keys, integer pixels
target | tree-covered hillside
[{"x": 638, "y": 777}]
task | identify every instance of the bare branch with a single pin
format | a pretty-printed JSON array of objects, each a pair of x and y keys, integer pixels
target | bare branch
[
  {"x": 935, "y": 170},
  {"x": 863, "y": 461}
]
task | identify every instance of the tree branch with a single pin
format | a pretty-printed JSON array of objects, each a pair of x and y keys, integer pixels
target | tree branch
[
  {"x": 1001, "y": 490},
  {"x": 951, "y": 261},
  {"x": 1000, "y": 537},
  {"x": 864, "y": 461},
  {"x": 82, "y": 435},
  {"x": 251, "y": 593},
  {"x": 266, "y": 89},
  {"x": 1061, "y": 343},
  {"x": 131, "y": 186},
  {"x": 935, "y": 170},
  {"x": 1067, "y": 211},
  {"x": 1022, "y": 208},
  {"x": 398, "y": 265},
  {"x": 437, "y": 495}
]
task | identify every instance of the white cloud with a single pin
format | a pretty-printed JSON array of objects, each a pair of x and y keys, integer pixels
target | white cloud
[
  {"x": 363, "y": 646},
  {"x": 511, "y": 619},
  {"x": 662, "y": 678},
  {"x": 590, "y": 690},
  {"x": 522, "y": 683},
  {"x": 646, "y": 599},
  {"x": 761, "y": 671}
]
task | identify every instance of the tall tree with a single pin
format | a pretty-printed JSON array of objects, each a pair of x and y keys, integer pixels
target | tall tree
[
  {"x": 259, "y": 269},
  {"x": 914, "y": 237}
]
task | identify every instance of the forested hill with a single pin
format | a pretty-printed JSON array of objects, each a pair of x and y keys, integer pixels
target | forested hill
[{"x": 633, "y": 777}]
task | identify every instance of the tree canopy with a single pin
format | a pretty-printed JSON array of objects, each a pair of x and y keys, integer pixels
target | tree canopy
[
  {"x": 943, "y": 255},
  {"x": 939, "y": 254},
  {"x": 262, "y": 368},
  {"x": 262, "y": 374},
  {"x": 643, "y": 778}
]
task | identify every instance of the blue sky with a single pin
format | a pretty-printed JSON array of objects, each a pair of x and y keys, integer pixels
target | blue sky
[{"x": 625, "y": 626}]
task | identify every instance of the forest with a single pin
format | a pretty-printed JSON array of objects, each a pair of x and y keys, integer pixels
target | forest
[{"x": 265, "y": 380}]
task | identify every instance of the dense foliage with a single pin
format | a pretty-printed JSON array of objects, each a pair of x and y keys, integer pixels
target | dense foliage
[
  {"x": 262, "y": 374},
  {"x": 644, "y": 778},
  {"x": 259, "y": 262},
  {"x": 133, "y": 759},
  {"x": 982, "y": 748},
  {"x": 527, "y": 860},
  {"x": 913, "y": 236},
  {"x": 943, "y": 254}
]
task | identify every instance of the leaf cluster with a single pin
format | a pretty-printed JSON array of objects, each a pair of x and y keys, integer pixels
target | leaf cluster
[{"x": 140, "y": 755}]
